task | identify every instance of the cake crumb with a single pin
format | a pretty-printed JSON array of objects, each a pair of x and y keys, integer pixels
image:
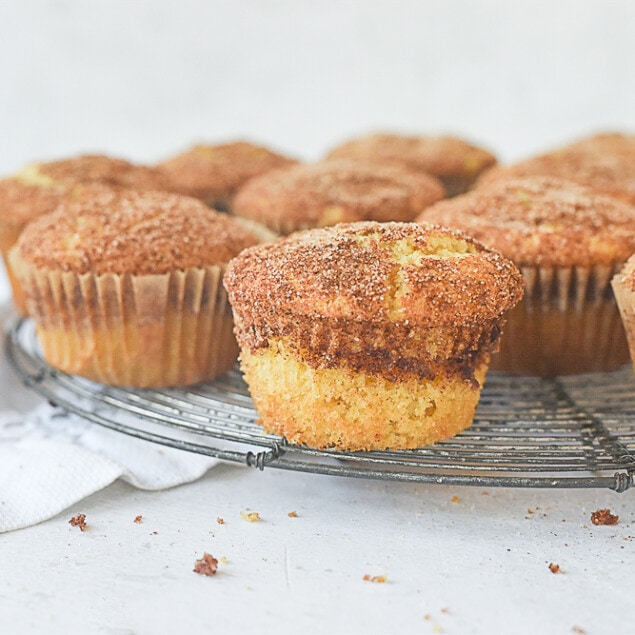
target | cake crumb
[
  {"x": 378, "y": 579},
  {"x": 604, "y": 517},
  {"x": 138, "y": 519},
  {"x": 437, "y": 629},
  {"x": 207, "y": 565},
  {"x": 292, "y": 514},
  {"x": 220, "y": 521},
  {"x": 223, "y": 559},
  {"x": 79, "y": 521},
  {"x": 250, "y": 517},
  {"x": 578, "y": 630},
  {"x": 555, "y": 568},
  {"x": 445, "y": 610},
  {"x": 455, "y": 499}
]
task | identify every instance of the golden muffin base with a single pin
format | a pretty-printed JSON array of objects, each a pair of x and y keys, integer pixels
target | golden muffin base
[
  {"x": 141, "y": 331},
  {"x": 348, "y": 410},
  {"x": 568, "y": 323}
]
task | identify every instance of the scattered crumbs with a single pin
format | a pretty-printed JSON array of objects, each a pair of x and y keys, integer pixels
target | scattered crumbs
[
  {"x": 292, "y": 514},
  {"x": 604, "y": 517},
  {"x": 223, "y": 559},
  {"x": 79, "y": 521},
  {"x": 378, "y": 579},
  {"x": 564, "y": 520},
  {"x": 555, "y": 568},
  {"x": 427, "y": 617},
  {"x": 220, "y": 521},
  {"x": 530, "y": 511},
  {"x": 138, "y": 519},
  {"x": 154, "y": 533},
  {"x": 250, "y": 517},
  {"x": 578, "y": 630},
  {"x": 445, "y": 610},
  {"x": 207, "y": 565},
  {"x": 437, "y": 629},
  {"x": 455, "y": 499}
]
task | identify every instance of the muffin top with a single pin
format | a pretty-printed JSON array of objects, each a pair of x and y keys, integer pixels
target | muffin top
[
  {"x": 542, "y": 221},
  {"x": 124, "y": 231},
  {"x": 604, "y": 162},
  {"x": 442, "y": 156},
  {"x": 40, "y": 187},
  {"x": 375, "y": 272},
  {"x": 340, "y": 190},
  {"x": 213, "y": 173}
]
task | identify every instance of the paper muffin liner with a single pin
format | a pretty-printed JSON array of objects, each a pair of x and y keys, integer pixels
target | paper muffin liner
[
  {"x": 173, "y": 329},
  {"x": 389, "y": 349},
  {"x": 625, "y": 298},
  {"x": 567, "y": 323},
  {"x": 8, "y": 237}
]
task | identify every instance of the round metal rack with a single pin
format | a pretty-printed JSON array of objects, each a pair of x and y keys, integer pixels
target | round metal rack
[{"x": 572, "y": 432}]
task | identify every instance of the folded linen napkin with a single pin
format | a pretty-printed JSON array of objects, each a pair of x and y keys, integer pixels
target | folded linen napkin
[{"x": 50, "y": 460}]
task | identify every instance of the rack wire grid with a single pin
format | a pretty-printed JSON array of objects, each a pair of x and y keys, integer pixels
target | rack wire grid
[{"x": 567, "y": 432}]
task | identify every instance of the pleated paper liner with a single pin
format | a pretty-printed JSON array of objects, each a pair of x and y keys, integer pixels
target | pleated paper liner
[
  {"x": 171, "y": 329},
  {"x": 568, "y": 323},
  {"x": 625, "y": 297}
]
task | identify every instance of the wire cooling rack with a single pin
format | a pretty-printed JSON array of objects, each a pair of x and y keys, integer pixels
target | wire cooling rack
[{"x": 528, "y": 432}]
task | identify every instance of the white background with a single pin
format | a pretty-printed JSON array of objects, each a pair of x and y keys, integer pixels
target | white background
[{"x": 143, "y": 79}]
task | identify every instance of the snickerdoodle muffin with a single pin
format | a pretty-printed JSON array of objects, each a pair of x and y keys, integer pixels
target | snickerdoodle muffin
[
  {"x": 604, "y": 162},
  {"x": 454, "y": 161},
  {"x": 568, "y": 241},
  {"x": 369, "y": 335},
  {"x": 40, "y": 187},
  {"x": 125, "y": 287},
  {"x": 213, "y": 173},
  {"x": 340, "y": 190}
]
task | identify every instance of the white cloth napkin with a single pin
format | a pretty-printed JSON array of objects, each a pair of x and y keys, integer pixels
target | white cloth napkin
[{"x": 50, "y": 460}]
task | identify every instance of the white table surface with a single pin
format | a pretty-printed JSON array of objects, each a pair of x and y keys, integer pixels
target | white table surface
[
  {"x": 142, "y": 79},
  {"x": 478, "y": 564}
]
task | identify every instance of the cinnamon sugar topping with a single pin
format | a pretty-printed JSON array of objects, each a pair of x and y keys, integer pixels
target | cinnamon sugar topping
[
  {"x": 377, "y": 271},
  {"x": 132, "y": 232},
  {"x": 542, "y": 221},
  {"x": 40, "y": 187},
  {"x": 455, "y": 161},
  {"x": 605, "y": 162},
  {"x": 333, "y": 191},
  {"x": 213, "y": 173}
]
